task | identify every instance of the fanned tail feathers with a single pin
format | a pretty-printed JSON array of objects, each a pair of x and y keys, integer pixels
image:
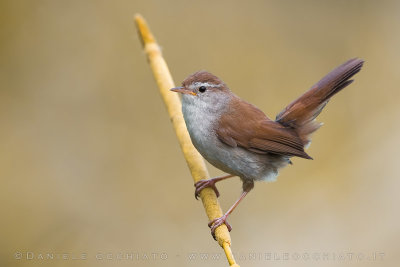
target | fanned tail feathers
[{"x": 301, "y": 113}]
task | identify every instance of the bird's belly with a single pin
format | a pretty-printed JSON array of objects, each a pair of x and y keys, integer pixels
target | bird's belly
[
  {"x": 238, "y": 161},
  {"x": 234, "y": 160}
]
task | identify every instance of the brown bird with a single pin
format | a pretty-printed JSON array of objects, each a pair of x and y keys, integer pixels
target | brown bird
[{"x": 241, "y": 140}]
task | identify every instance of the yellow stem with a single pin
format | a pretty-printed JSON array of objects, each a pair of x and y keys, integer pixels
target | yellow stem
[{"x": 193, "y": 159}]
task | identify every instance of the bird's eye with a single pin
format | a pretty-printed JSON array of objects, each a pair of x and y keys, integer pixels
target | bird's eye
[{"x": 202, "y": 89}]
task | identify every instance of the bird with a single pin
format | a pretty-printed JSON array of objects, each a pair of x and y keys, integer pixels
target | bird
[{"x": 239, "y": 139}]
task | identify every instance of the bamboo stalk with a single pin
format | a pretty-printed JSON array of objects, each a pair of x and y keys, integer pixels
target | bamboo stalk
[{"x": 194, "y": 160}]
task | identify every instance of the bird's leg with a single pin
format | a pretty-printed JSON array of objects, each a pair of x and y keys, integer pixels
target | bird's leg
[
  {"x": 200, "y": 185},
  {"x": 214, "y": 224}
]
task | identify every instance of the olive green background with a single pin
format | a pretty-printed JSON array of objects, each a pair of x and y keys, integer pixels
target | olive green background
[{"x": 89, "y": 163}]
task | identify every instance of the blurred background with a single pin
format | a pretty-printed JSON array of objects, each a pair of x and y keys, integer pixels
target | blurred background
[{"x": 92, "y": 173}]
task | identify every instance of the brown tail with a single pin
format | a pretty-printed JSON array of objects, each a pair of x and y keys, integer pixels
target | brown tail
[{"x": 301, "y": 113}]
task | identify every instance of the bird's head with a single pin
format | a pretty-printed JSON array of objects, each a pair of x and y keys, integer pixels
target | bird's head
[{"x": 203, "y": 87}]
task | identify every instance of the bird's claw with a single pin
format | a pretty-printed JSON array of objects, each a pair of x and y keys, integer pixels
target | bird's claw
[
  {"x": 214, "y": 224},
  {"x": 200, "y": 185}
]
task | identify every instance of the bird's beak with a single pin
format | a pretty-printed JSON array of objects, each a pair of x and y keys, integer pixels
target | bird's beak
[{"x": 182, "y": 90}]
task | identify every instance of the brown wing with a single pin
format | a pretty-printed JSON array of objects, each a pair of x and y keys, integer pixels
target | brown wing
[{"x": 248, "y": 127}]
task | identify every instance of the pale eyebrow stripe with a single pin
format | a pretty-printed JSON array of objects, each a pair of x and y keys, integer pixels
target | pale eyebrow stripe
[{"x": 198, "y": 84}]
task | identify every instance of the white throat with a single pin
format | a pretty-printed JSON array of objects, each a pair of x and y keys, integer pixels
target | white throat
[{"x": 201, "y": 114}]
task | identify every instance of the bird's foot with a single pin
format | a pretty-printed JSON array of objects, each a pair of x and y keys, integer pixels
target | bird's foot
[
  {"x": 214, "y": 224},
  {"x": 200, "y": 185}
]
